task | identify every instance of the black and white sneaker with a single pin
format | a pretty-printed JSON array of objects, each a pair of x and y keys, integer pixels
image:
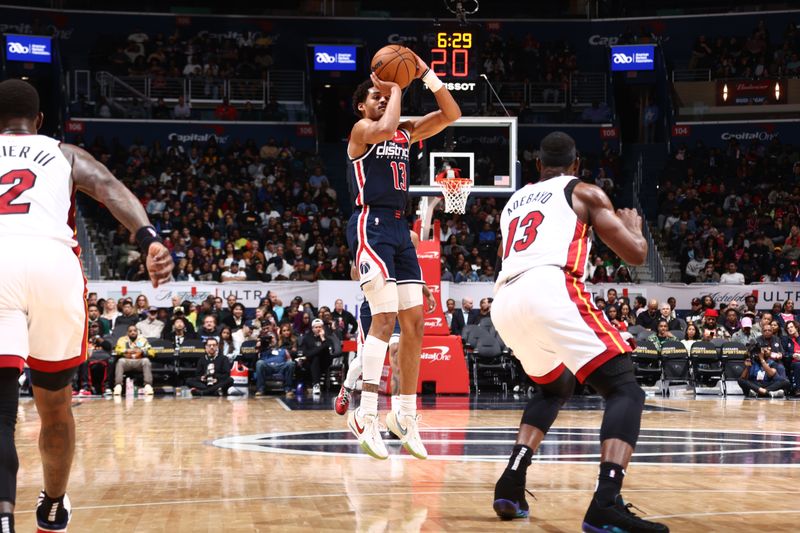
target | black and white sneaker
[
  {"x": 509, "y": 499},
  {"x": 52, "y": 516},
  {"x": 617, "y": 518}
]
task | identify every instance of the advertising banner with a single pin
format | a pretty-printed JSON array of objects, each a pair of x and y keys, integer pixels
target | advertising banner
[
  {"x": 430, "y": 263},
  {"x": 29, "y": 48},
  {"x": 335, "y": 57},
  {"x": 633, "y": 57},
  {"x": 720, "y": 133}
]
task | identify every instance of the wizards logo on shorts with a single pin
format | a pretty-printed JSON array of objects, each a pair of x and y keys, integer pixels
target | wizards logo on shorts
[{"x": 363, "y": 268}]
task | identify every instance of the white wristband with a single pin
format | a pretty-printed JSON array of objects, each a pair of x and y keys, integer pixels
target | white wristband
[{"x": 432, "y": 81}]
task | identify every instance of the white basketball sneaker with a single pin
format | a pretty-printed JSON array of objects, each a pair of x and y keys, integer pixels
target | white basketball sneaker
[
  {"x": 367, "y": 431},
  {"x": 406, "y": 428}
]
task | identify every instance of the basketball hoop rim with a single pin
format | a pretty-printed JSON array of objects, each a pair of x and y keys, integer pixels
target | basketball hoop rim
[{"x": 461, "y": 182}]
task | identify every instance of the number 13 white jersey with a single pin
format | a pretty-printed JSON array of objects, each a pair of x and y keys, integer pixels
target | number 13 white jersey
[
  {"x": 540, "y": 229},
  {"x": 36, "y": 189}
]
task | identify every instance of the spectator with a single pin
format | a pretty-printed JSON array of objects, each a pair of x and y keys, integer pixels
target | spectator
[
  {"x": 613, "y": 317},
  {"x": 666, "y": 314},
  {"x": 746, "y": 335},
  {"x": 179, "y": 333},
  {"x": 209, "y": 328},
  {"x": 710, "y": 327},
  {"x": 708, "y": 274},
  {"x": 466, "y": 314},
  {"x": 273, "y": 359},
  {"x": 141, "y": 306},
  {"x": 92, "y": 374},
  {"x": 234, "y": 274},
  {"x": 763, "y": 376},
  {"x": 225, "y": 111},
  {"x": 695, "y": 315},
  {"x": 110, "y": 312},
  {"x": 347, "y": 322},
  {"x": 132, "y": 352},
  {"x": 236, "y": 320},
  {"x": 649, "y": 318},
  {"x": 484, "y": 311},
  {"x": 317, "y": 349},
  {"x": 129, "y": 317},
  {"x": 625, "y": 316},
  {"x": 731, "y": 322},
  {"x": 450, "y": 307},
  {"x": 690, "y": 336},
  {"x": 732, "y": 277},
  {"x": 182, "y": 110},
  {"x": 94, "y": 318},
  {"x": 662, "y": 334},
  {"x": 791, "y": 344},
  {"x": 213, "y": 372},
  {"x": 227, "y": 346},
  {"x": 151, "y": 327}
]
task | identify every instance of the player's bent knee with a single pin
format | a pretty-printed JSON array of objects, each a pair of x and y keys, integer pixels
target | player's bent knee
[
  {"x": 53, "y": 381},
  {"x": 543, "y": 408},
  {"x": 611, "y": 375},
  {"x": 409, "y": 295},
  {"x": 381, "y": 295}
]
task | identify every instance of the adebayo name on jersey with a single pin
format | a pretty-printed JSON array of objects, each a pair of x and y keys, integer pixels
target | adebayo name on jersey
[{"x": 540, "y": 197}]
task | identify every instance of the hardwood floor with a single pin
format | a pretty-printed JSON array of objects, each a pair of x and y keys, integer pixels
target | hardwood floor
[{"x": 187, "y": 465}]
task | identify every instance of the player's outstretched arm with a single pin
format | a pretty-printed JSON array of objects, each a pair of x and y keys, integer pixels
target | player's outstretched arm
[
  {"x": 621, "y": 231},
  {"x": 434, "y": 122},
  {"x": 93, "y": 178},
  {"x": 368, "y": 131}
]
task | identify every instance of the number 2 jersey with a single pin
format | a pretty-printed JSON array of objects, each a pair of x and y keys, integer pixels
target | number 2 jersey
[
  {"x": 540, "y": 228},
  {"x": 379, "y": 178},
  {"x": 36, "y": 189}
]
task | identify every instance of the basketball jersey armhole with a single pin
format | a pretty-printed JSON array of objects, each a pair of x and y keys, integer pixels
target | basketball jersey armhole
[
  {"x": 362, "y": 156},
  {"x": 569, "y": 189}
]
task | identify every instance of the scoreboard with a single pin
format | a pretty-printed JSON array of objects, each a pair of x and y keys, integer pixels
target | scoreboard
[{"x": 454, "y": 54}]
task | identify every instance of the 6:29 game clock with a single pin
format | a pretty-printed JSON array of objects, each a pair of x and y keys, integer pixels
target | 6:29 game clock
[{"x": 455, "y": 56}]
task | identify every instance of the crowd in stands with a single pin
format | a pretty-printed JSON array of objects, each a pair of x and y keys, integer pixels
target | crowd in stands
[
  {"x": 244, "y": 212},
  {"x": 731, "y": 214},
  {"x": 296, "y": 341},
  {"x": 754, "y": 56}
]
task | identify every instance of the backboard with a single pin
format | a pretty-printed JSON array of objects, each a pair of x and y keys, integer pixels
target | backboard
[{"x": 483, "y": 149}]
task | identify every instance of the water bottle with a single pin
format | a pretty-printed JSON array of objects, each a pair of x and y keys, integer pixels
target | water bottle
[
  {"x": 300, "y": 389},
  {"x": 129, "y": 390}
]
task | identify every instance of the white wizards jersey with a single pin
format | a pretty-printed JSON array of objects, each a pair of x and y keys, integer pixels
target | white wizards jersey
[
  {"x": 541, "y": 229},
  {"x": 36, "y": 189}
]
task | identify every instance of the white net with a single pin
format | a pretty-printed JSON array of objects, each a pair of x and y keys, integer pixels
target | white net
[{"x": 455, "y": 192}]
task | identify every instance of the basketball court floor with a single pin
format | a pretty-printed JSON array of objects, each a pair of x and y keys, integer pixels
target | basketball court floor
[{"x": 187, "y": 465}]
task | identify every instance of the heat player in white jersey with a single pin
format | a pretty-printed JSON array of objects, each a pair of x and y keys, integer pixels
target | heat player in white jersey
[
  {"x": 43, "y": 317},
  {"x": 544, "y": 313}
]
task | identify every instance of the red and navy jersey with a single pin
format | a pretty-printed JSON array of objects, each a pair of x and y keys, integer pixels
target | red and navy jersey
[{"x": 379, "y": 178}]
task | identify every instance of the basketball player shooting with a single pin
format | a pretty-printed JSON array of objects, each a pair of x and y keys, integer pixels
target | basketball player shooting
[
  {"x": 42, "y": 288},
  {"x": 378, "y": 235},
  {"x": 543, "y": 312}
]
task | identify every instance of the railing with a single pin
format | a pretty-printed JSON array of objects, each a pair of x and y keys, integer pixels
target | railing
[
  {"x": 91, "y": 265},
  {"x": 697, "y": 74},
  {"x": 654, "y": 262},
  {"x": 283, "y": 85},
  {"x": 582, "y": 89}
]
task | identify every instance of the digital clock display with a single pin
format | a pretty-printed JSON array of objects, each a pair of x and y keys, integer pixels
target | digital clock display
[{"x": 451, "y": 57}]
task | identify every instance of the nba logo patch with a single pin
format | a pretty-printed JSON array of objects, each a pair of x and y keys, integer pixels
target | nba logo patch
[{"x": 363, "y": 268}]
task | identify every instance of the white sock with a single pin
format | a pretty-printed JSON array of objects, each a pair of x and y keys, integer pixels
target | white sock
[
  {"x": 396, "y": 403},
  {"x": 372, "y": 357},
  {"x": 353, "y": 371},
  {"x": 408, "y": 404},
  {"x": 369, "y": 403}
]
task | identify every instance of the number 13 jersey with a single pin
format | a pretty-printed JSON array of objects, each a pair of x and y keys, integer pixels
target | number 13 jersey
[
  {"x": 540, "y": 228},
  {"x": 36, "y": 189}
]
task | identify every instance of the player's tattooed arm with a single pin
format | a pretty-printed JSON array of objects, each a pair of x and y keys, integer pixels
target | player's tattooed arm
[{"x": 93, "y": 178}]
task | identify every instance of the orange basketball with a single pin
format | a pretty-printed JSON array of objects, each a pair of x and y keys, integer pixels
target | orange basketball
[{"x": 395, "y": 63}]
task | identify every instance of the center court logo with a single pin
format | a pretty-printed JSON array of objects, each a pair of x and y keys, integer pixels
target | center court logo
[{"x": 677, "y": 447}]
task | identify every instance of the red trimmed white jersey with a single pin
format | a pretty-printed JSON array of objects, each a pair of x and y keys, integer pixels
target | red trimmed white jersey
[
  {"x": 36, "y": 189},
  {"x": 540, "y": 228}
]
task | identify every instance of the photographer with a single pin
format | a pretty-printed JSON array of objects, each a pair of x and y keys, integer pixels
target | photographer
[
  {"x": 213, "y": 372},
  {"x": 318, "y": 349},
  {"x": 272, "y": 360},
  {"x": 764, "y": 374}
]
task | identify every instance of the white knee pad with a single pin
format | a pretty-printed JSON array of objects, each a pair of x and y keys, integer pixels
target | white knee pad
[
  {"x": 409, "y": 295},
  {"x": 381, "y": 295}
]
